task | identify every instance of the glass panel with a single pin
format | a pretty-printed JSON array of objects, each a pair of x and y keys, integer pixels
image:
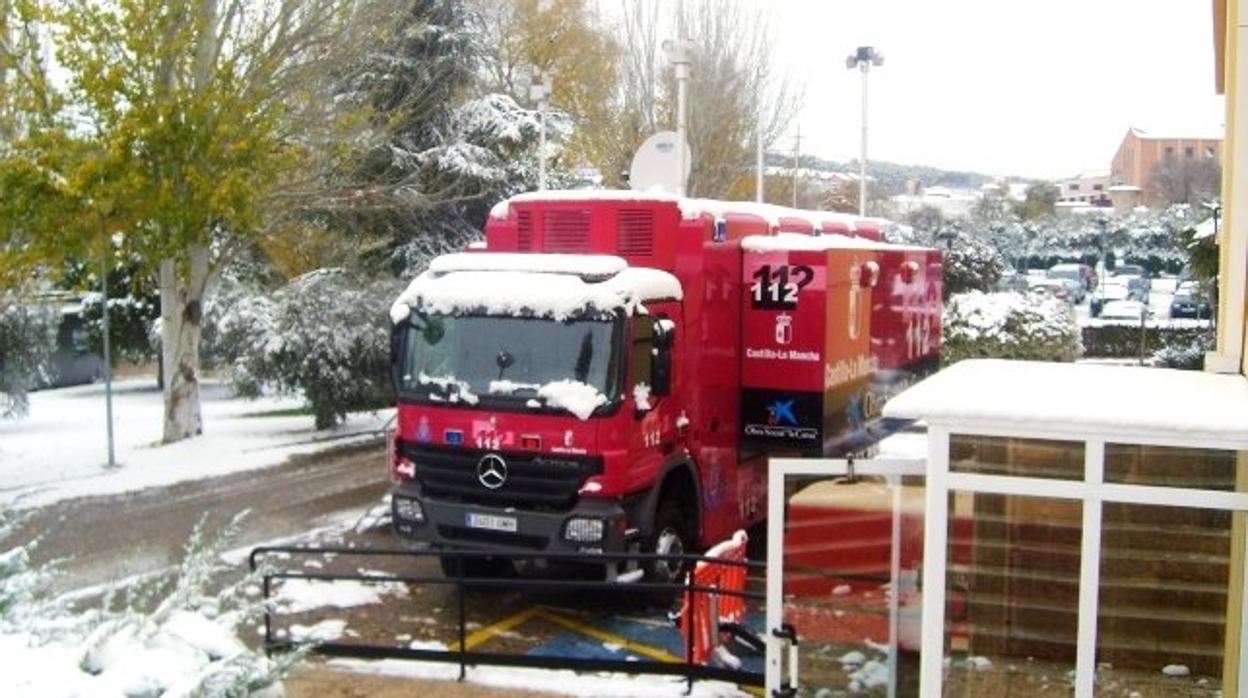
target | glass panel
[
  {"x": 1166, "y": 466},
  {"x": 1013, "y": 599},
  {"x": 992, "y": 455},
  {"x": 1163, "y": 601},
  {"x": 838, "y": 544}
]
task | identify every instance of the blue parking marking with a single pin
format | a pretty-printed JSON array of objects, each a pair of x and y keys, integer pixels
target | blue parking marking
[{"x": 659, "y": 636}]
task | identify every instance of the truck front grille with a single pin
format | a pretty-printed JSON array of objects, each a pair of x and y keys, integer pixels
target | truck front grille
[{"x": 534, "y": 481}]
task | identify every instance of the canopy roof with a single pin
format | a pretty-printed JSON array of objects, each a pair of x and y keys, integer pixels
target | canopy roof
[{"x": 1119, "y": 403}]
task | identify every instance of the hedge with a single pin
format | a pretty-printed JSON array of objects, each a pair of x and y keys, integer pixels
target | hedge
[{"x": 1123, "y": 341}]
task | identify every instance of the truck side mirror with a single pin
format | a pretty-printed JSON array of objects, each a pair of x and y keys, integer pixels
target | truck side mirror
[
  {"x": 397, "y": 331},
  {"x": 661, "y": 359}
]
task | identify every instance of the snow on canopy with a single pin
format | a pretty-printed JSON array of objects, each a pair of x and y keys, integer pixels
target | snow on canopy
[
  {"x": 508, "y": 285},
  {"x": 1126, "y": 402}
]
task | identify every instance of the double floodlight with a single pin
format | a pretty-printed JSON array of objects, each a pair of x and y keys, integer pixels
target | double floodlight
[{"x": 863, "y": 56}]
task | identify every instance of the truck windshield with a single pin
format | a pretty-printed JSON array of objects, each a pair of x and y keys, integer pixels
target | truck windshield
[{"x": 450, "y": 358}]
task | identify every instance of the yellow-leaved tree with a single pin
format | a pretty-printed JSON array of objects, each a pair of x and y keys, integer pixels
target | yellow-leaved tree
[
  {"x": 572, "y": 45},
  {"x": 171, "y": 125}
]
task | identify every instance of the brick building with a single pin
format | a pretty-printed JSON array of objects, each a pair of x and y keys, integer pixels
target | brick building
[{"x": 1141, "y": 152}]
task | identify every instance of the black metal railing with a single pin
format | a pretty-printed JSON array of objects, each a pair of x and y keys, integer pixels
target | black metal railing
[{"x": 464, "y": 657}]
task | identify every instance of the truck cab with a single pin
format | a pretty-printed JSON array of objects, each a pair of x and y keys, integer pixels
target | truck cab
[{"x": 534, "y": 391}]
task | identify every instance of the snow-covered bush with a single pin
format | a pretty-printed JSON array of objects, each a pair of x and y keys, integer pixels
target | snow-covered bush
[
  {"x": 1185, "y": 352},
  {"x": 27, "y": 340},
  {"x": 170, "y": 637},
  {"x": 324, "y": 334},
  {"x": 1009, "y": 326},
  {"x": 129, "y": 323},
  {"x": 235, "y": 317},
  {"x": 972, "y": 265},
  {"x": 1123, "y": 340},
  {"x": 133, "y": 303}
]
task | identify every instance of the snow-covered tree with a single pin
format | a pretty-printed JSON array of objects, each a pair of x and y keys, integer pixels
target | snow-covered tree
[
  {"x": 133, "y": 303},
  {"x": 971, "y": 264},
  {"x": 441, "y": 155},
  {"x": 181, "y": 123},
  {"x": 172, "y": 636},
  {"x": 325, "y": 335},
  {"x": 1009, "y": 326},
  {"x": 27, "y": 340}
]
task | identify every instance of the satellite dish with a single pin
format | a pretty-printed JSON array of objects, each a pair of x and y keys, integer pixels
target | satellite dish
[{"x": 654, "y": 165}]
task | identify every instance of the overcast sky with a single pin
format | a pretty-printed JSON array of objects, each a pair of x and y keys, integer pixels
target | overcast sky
[{"x": 1042, "y": 88}]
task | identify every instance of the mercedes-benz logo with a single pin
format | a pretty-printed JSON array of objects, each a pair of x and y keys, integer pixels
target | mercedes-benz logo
[{"x": 492, "y": 471}]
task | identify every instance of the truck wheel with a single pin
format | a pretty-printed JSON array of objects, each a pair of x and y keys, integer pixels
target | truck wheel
[
  {"x": 488, "y": 567},
  {"x": 673, "y": 535}
]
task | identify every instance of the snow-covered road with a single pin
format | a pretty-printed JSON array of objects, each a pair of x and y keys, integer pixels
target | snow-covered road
[{"x": 59, "y": 450}]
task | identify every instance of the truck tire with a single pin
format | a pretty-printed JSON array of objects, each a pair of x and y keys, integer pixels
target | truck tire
[
  {"x": 673, "y": 535},
  {"x": 488, "y": 567}
]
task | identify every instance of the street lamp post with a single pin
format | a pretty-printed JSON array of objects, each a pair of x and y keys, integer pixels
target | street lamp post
[
  {"x": 863, "y": 58},
  {"x": 539, "y": 92},
  {"x": 108, "y": 357},
  {"x": 680, "y": 53}
]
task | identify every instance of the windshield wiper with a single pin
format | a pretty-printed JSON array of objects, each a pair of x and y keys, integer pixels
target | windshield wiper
[{"x": 452, "y": 388}]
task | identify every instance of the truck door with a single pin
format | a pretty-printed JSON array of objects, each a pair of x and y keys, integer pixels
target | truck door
[{"x": 651, "y": 397}]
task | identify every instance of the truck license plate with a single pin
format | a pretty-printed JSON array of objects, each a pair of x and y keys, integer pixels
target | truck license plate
[{"x": 492, "y": 522}]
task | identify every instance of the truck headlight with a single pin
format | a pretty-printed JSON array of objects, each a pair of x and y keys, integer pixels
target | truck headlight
[
  {"x": 409, "y": 509},
  {"x": 584, "y": 530}
]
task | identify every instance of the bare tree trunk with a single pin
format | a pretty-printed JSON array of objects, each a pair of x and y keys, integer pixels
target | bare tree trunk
[{"x": 182, "y": 294}]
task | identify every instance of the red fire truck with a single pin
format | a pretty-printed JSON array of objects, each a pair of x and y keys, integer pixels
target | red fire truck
[{"x": 611, "y": 370}]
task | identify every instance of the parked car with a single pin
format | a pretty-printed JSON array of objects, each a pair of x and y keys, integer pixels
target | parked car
[
  {"x": 1135, "y": 277},
  {"x": 1011, "y": 281},
  {"x": 1113, "y": 289},
  {"x": 1124, "y": 310},
  {"x": 1074, "y": 288},
  {"x": 1080, "y": 273},
  {"x": 1190, "y": 303},
  {"x": 72, "y": 362},
  {"x": 1058, "y": 288}
]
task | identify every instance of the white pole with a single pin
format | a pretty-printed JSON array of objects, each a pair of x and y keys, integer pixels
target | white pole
[
  {"x": 865, "y": 67},
  {"x": 108, "y": 359},
  {"x": 797, "y": 162},
  {"x": 541, "y": 145},
  {"x": 680, "y": 53},
  {"x": 682, "y": 136},
  {"x": 758, "y": 162},
  {"x": 894, "y": 576}
]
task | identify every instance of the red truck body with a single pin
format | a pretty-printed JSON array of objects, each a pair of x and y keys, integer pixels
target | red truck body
[{"x": 786, "y": 336}]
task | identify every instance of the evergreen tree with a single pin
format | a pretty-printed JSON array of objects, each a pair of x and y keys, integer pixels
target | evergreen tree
[{"x": 445, "y": 158}]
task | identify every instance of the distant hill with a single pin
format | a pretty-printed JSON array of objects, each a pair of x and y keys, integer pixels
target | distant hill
[{"x": 892, "y": 177}]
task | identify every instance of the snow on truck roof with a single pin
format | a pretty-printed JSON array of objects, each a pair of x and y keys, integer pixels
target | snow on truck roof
[
  {"x": 1130, "y": 403},
  {"x": 800, "y": 242},
  {"x": 556, "y": 286},
  {"x": 690, "y": 208},
  {"x": 597, "y": 266}
]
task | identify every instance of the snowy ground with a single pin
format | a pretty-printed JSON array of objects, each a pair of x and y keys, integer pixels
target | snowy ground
[
  {"x": 569, "y": 683},
  {"x": 59, "y": 450}
]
